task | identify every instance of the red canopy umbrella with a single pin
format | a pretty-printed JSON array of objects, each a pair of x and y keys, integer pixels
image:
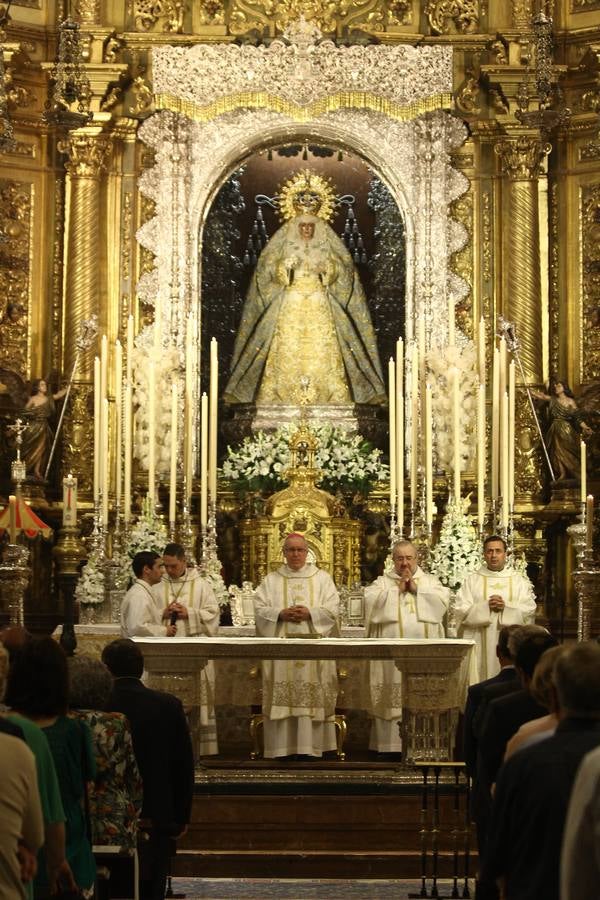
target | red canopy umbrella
[{"x": 26, "y": 520}]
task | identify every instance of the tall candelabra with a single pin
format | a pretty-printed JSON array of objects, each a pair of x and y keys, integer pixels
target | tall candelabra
[{"x": 586, "y": 576}]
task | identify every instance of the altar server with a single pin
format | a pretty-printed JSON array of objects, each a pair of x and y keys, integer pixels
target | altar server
[
  {"x": 299, "y": 696},
  {"x": 404, "y": 602},
  {"x": 493, "y": 596},
  {"x": 188, "y": 601},
  {"x": 141, "y": 614}
]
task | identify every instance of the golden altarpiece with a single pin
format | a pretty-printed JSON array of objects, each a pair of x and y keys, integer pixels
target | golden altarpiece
[{"x": 480, "y": 119}]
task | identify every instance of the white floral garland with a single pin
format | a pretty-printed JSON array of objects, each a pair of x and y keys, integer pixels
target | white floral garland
[
  {"x": 166, "y": 367},
  {"x": 444, "y": 364},
  {"x": 345, "y": 459}
]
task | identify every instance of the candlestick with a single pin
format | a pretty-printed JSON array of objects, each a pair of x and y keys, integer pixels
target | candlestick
[
  {"x": 400, "y": 434},
  {"x": 451, "y": 323},
  {"x": 151, "y": 433},
  {"x": 392, "y": 431},
  {"x": 118, "y": 420},
  {"x": 583, "y": 470},
  {"x": 203, "y": 460},
  {"x": 589, "y": 523},
  {"x": 428, "y": 457},
  {"x": 105, "y": 480},
  {"x": 97, "y": 424},
  {"x": 128, "y": 438},
  {"x": 173, "y": 478},
  {"x": 213, "y": 418},
  {"x": 481, "y": 350},
  {"x": 511, "y": 433},
  {"x": 495, "y": 424},
  {"x": 481, "y": 457},
  {"x": 504, "y": 460},
  {"x": 456, "y": 435},
  {"x": 12, "y": 519},
  {"x": 414, "y": 425},
  {"x": 189, "y": 411},
  {"x": 69, "y": 517}
]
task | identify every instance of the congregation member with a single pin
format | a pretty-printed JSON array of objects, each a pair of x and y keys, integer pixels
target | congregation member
[
  {"x": 163, "y": 751},
  {"x": 542, "y": 690},
  {"x": 299, "y": 696},
  {"x": 141, "y": 614},
  {"x": 187, "y": 601},
  {"x": 493, "y": 596},
  {"x": 506, "y": 676},
  {"x": 38, "y": 690},
  {"x": 580, "y": 858},
  {"x": 405, "y": 602},
  {"x": 534, "y": 786}
]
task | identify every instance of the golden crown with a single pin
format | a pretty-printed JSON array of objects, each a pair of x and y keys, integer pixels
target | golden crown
[{"x": 307, "y": 192}]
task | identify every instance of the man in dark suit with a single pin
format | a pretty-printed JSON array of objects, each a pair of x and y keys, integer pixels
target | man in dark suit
[
  {"x": 533, "y": 787},
  {"x": 163, "y": 750},
  {"x": 506, "y": 674}
]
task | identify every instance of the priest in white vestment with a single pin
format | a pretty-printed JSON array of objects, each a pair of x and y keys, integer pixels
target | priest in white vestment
[
  {"x": 187, "y": 600},
  {"x": 299, "y": 696},
  {"x": 493, "y": 596},
  {"x": 404, "y": 602},
  {"x": 141, "y": 614}
]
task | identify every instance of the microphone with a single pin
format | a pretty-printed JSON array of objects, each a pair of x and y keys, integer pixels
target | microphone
[{"x": 173, "y": 618}]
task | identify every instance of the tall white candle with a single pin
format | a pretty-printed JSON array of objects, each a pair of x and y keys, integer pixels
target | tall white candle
[
  {"x": 103, "y": 414},
  {"x": 151, "y": 432},
  {"x": 422, "y": 351},
  {"x": 495, "y": 424},
  {"x": 451, "y": 326},
  {"x": 69, "y": 517},
  {"x": 428, "y": 457},
  {"x": 481, "y": 351},
  {"x": 456, "y": 435},
  {"x": 414, "y": 425},
  {"x": 97, "y": 424},
  {"x": 128, "y": 438},
  {"x": 583, "y": 470},
  {"x": 213, "y": 419},
  {"x": 189, "y": 411},
  {"x": 157, "y": 324},
  {"x": 129, "y": 348},
  {"x": 481, "y": 456},
  {"x": 173, "y": 473},
  {"x": 511, "y": 433},
  {"x": 105, "y": 461},
  {"x": 118, "y": 420},
  {"x": 203, "y": 460},
  {"x": 504, "y": 460},
  {"x": 12, "y": 519},
  {"x": 392, "y": 431},
  {"x": 400, "y": 433}
]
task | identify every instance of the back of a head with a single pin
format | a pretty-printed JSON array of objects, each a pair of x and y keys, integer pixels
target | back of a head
[
  {"x": 38, "y": 679},
  {"x": 530, "y": 651},
  {"x": 577, "y": 680},
  {"x": 519, "y": 635},
  {"x": 90, "y": 683},
  {"x": 13, "y": 637},
  {"x": 3, "y": 671},
  {"x": 542, "y": 683},
  {"x": 503, "y": 644},
  {"x": 141, "y": 560},
  {"x": 123, "y": 658}
]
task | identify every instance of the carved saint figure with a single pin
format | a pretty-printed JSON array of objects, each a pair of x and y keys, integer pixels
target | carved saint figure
[
  {"x": 566, "y": 425},
  {"x": 37, "y": 439},
  {"x": 305, "y": 315}
]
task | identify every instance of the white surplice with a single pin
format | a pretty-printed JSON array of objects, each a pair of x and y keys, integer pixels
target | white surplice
[
  {"x": 299, "y": 696},
  {"x": 141, "y": 614},
  {"x": 392, "y": 613},
  {"x": 196, "y": 594},
  {"x": 478, "y": 623}
]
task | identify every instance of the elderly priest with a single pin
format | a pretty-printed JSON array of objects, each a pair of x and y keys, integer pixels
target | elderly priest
[
  {"x": 298, "y": 695},
  {"x": 405, "y": 602}
]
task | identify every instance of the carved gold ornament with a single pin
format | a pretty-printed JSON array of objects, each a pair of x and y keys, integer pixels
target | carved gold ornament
[{"x": 307, "y": 192}]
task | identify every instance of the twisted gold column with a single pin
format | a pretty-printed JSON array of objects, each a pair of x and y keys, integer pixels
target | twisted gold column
[
  {"x": 521, "y": 158},
  {"x": 86, "y": 160}
]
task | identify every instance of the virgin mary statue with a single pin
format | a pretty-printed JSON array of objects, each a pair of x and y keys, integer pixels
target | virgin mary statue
[{"x": 305, "y": 315}]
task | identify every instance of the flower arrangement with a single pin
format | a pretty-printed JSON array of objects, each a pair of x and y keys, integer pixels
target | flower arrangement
[
  {"x": 458, "y": 550},
  {"x": 445, "y": 364},
  {"x": 148, "y": 533},
  {"x": 90, "y": 586},
  {"x": 347, "y": 460}
]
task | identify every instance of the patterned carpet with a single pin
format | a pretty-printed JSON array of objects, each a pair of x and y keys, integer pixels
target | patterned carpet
[{"x": 305, "y": 889}]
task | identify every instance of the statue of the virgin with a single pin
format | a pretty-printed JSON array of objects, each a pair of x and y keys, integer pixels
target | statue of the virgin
[{"x": 306, "y": 316}]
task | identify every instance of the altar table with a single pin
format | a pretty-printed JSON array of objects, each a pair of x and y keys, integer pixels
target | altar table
[{"x": 436, "y": 675}]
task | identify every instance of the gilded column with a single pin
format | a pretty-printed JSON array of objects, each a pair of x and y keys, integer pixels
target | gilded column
[
  {"x": 521, "y": 158},
  {"x": 87, "y": 154}
]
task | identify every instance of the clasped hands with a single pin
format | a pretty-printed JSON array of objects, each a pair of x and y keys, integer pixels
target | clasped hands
[
  {"x": 496, "y": 603},
  {"x": 407, "y": 583},
  {"x": 295, "y": 614}
]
